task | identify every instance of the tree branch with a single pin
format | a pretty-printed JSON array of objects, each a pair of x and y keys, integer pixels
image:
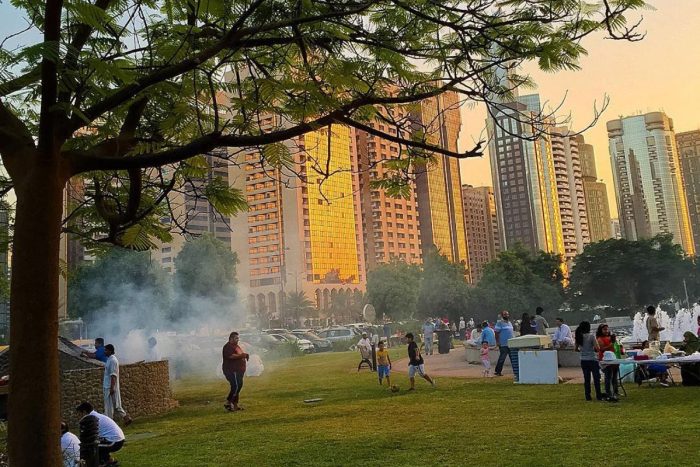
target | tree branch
[
  {"x": 14, "y": 134},
  {"x": 49, "y": 77}
]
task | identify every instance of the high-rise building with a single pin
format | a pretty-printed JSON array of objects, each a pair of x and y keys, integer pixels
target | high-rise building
[
  {"x": 192, "y": 214},
  {"x": 303, "y": 230},
  {"x": 596, "y": 194},
  {"x": 438, "y": 188},
  {"x": 615, "y": 228},
  {"x": 390, "y": 225},
  {"x": 522, "y": 169},
  {"x": 570, "y": 192},
  {"x": 651, "y": 198},
  {"x": 689, "y": 154},
  {"x": 481, "y": 225}
]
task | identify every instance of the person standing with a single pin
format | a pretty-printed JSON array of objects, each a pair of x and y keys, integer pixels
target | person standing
[
  {"x": 462, "y": 328},
  {"x": 383, "y": 364},
  {"x": 653, "y": 327},
  {"x": 428, "y": 330},
  {"x": 233, "y": 366},
  {"x": 605, "y": 346},
  {"x": 99, "y": 353},
  {"x": 70, "y": 447},
  {"x": 540, "y": 322},
  {"x": 487, "y": 335},
  {"x": 504, "y": 331},
  {"x": 586, "y": 343},
  {"x": 112, "y": 393},
  {"x": 415, "y": 363},
  {"x": 527, "y": 325}
]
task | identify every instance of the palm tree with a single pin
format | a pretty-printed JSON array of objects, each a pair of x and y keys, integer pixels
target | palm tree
[{"x": 298, "y": 304}]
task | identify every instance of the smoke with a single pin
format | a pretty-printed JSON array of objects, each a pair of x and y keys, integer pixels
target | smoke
[{"x": 189, "y": 331}]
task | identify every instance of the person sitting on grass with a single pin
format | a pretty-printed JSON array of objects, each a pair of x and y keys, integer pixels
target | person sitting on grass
[
  {"x": 415, "y": 363},
  {"x": 111, "y": 437},
  {"x": 383, "y": 364}
]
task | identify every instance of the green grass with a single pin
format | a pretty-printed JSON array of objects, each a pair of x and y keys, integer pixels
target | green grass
[{"x": 461, "y": 422}]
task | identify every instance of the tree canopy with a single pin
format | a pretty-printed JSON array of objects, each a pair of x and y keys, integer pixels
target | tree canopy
[
  {"x": 113, "y": 88},
  {"x": 393, "y": 289},
  {"x": 518, "y": 281},
  {"x": 626, "y": 274},
  {"x": 443, "y": 290}
]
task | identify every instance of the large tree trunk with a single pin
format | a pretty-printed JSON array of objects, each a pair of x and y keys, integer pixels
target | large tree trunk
[{"x": 34, "y": 415}]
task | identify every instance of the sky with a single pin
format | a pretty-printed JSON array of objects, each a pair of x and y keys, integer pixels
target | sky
[{"x": 662, "y": 72}]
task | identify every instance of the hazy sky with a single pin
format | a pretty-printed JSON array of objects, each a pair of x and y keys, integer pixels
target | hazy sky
[{"x": 662, "y": 72}]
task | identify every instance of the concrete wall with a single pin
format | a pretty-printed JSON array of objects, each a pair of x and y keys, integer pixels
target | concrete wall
[{"x": 145, "y": 389}]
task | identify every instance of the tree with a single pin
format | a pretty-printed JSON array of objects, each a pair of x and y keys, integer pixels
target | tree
[
  {"x": 206, "y": 266},
  {"x": 297, "y": 304},
  {"x": 518, "y": 281},
  {"x": 133, "y": 93},
  {"x": 118, "y": 277},
  {"x": 392, "y": 289},
  {"x": 627, "y": 274},
  {"x": 443, "y": 290}
]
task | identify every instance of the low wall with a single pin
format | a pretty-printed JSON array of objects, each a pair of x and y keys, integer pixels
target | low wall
[{"x": 145, "y": 389}]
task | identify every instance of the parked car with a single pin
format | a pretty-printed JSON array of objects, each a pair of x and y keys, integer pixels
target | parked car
[
  {"x": 263, "y": 341},
  {"x": 337, "y": 334},
  {"x": 320, "y": 344},
  {"x": 304, "y": 345}
]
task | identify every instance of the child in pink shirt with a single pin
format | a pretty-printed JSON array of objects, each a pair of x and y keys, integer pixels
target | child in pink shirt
[{"x": 485, "y": 359}]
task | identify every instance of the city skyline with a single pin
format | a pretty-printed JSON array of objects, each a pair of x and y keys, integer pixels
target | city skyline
[{"x": 608, "y": 70}]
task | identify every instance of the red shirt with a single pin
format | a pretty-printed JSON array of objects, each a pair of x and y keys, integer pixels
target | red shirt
[
  {"x": 605, "y": 343},
  {"x": 232, "y": 366}
]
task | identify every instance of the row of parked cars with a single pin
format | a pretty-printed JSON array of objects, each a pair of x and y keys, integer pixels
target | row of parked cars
[{"x": 307, "y": 340}]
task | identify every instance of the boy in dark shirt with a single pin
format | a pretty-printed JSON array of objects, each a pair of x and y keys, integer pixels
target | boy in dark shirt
[{"x": 415, "y": 363}]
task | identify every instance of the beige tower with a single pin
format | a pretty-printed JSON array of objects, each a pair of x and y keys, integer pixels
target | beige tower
[
  {"x": 597, "y": 206},
  {"x": 689, "y": 153},
  {"x": 481, "y": 225}
]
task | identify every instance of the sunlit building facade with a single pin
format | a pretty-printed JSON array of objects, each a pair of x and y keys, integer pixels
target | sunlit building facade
[
  {"x": 302, "y": 231},
  {"x": 524, "y": 176},
  {"x": 439, "y": 186},
  {"x": 596, "y": 194},
  {"x": 689, "y": 153},
  {"x": 570, "y": 192},
  {"x": 390, "y": 225},
  {"x": 481, "y": 225},
  {"x": 649, "y": 186}
]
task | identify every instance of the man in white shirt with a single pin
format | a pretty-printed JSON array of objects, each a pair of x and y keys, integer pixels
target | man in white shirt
[
  {"x": 562, "y": 336},
  {"x": 111, "y": 437},
  {"x": 462, "y": 327},
  {"x": 70, "y": 447},
  {"x": 110, "y": 387},
  {"x": 364, "y": 342}
]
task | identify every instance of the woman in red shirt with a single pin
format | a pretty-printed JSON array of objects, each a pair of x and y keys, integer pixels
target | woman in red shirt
[{"x": 610, "y": 371}]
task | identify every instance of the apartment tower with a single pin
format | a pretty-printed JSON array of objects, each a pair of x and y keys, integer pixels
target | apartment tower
[
  {"x": 302, "y": 231},
  {"x": 481, "y": 225},
  {"x": 597, "y": 206},
  {"x": 651, "y": 196},
  {"x": 689, "y": 153},
  {"x": 438, "y": 188}
]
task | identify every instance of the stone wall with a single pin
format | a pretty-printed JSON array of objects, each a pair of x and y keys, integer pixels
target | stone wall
[{"x": 145, "y": 389}]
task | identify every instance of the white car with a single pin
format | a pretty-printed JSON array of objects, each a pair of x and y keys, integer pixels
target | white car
[{"x": 304, "y": 345}]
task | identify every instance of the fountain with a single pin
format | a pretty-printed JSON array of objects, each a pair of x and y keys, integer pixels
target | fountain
[{"x": 684, "y": 320}]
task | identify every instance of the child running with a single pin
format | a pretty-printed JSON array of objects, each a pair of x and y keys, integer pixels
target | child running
[
  {"x": 485, "y": 359},
  {"x": 383, "y": 364},
  {"x": 415, "y": 363}
]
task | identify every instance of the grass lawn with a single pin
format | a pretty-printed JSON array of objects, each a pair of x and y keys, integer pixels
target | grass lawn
[{"x": 461, "y": 422}]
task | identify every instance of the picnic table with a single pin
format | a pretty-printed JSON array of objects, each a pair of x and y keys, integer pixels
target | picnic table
[{"x": 670, "y": 362}]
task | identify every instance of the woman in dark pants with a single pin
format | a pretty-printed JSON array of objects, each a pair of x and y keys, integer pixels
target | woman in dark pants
[
  {"x": 587, "y": 345},
  {"x": 233, "y": 366}
]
